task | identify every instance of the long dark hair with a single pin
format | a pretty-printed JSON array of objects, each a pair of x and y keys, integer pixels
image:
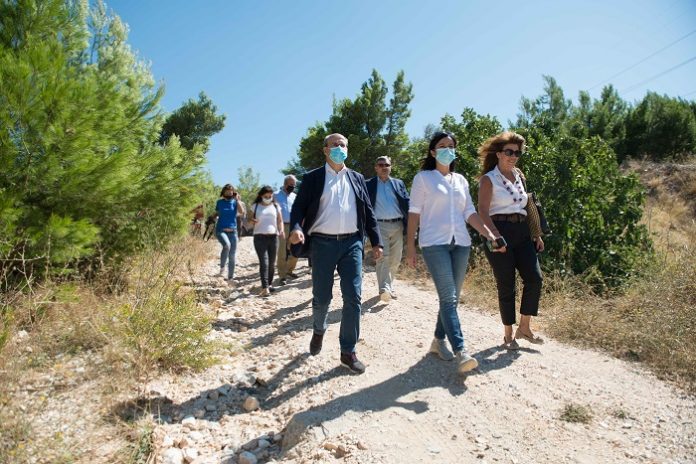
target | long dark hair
[
  {"x": 264, "y": 190},
  {"x": 225, "y": 187},
  {"x": 430, "y": 163}
]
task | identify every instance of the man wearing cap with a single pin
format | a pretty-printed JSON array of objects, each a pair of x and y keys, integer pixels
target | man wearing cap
[
  {"x": 389, "y": 199},
  {"x": 330, "y": 217}
]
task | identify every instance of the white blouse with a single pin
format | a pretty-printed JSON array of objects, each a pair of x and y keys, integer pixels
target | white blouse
[
  {"x": 444, "y": 205},
  {"x": 267, "y": 215},
  {"x": 507, "y": 197}
]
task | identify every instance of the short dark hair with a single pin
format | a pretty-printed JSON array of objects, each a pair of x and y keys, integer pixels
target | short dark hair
[{"x": 429, "y": 163}]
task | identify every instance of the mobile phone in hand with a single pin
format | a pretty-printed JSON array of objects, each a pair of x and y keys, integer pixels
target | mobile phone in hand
[{"x": 495, "y": 244}]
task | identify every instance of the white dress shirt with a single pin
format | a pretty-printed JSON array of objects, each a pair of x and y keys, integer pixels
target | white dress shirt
[
  {"x": 507, "y": 197},
  {"x": 338, "y": 213},
  {"x": 444, "y": 204}
]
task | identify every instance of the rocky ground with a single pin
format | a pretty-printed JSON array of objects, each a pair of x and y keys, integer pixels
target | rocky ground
[{"x": 269, "y": 401}]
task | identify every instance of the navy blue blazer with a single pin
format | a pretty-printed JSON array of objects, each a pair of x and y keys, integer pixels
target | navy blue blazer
[
  {"x": 306, "y": 206},
  {"x": 401, "y": 195}
]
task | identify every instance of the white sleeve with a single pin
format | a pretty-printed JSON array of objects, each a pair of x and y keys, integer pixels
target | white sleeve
[
  {"x": 469, "y": 208},
  {"x": 417, "y": 195}
]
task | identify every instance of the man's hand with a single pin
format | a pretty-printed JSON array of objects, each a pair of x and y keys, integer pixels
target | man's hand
[
  {"x": 377, "y": 252},
  {"x": 296, "y": 236}
]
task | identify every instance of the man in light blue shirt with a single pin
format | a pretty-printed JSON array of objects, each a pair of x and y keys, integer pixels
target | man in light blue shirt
[
  {"x": 390, "y": 200},
  {"x": 285, "y": 197}
]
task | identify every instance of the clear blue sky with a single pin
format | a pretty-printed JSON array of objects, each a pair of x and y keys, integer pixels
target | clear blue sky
[{"x": 273, "y": 67}]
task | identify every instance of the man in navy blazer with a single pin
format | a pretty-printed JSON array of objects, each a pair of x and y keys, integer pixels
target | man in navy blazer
[
  {"x": 331, "y": 215},
  {"x": 389, "y": 199}
]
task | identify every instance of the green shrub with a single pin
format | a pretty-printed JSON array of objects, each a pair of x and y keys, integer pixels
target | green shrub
[{"x": 166, "y": 329}]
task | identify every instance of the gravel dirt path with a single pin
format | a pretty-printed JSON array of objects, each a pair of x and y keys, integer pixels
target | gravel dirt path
[{"x": 269, "y": 401}]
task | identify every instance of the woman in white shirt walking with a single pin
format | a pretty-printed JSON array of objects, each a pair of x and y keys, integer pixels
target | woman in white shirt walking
[
  {"x": 268, "y": 225},
  {"x": 502, "y": 200},
  {"x": 441, "y": 205}
]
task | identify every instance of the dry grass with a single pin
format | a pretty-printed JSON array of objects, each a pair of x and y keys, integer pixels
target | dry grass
[{"x": 151, "y": 322}]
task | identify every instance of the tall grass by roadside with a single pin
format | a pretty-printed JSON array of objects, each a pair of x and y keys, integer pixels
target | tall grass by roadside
[{"x": 136, "y": 320}]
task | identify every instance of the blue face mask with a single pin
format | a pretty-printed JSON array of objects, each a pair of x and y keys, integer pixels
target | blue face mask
[
  {"x": 445, "y": 156},
  {"x": 338, "y": 154}
]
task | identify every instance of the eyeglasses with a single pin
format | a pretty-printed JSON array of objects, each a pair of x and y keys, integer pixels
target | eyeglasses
[
  {"x": 382, "y": 165},
  {"x": 515, "y": 153}
]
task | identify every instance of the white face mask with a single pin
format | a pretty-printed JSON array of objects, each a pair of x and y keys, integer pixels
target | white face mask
[{"x": 266, "y": 201}]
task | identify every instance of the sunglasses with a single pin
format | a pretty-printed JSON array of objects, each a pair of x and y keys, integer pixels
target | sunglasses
[
  {"x": 382, "y": 165},
  {"x": 515, "y": 153}
]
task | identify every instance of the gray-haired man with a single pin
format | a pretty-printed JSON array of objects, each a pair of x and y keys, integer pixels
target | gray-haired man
[{"x": 389, "y": 199}]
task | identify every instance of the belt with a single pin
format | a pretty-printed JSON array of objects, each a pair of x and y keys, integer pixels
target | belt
[
  {"x": 334, "y": 236},
  {"x": 391, "y": 220},
  {"x": 516, "y": 217}
]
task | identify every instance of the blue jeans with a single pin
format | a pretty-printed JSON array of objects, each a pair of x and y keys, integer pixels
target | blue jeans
[
  {"x": 447, "y": 264},
  {"x": 228, "y": 240},
  {"x": 345, "y": 256}
]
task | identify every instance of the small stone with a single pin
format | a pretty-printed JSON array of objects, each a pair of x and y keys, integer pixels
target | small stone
[
  {"x": 247, "y": 458},
  {"x": 182, "y": 442},
  {"x": 210, "y": 407},
  {"x": 237, "y": 314},
  {"x": 199, "y": 413},
  {"x": 195, "y": 436},
  {"x": 330, "y": 446},
  {"x": 244, "y": 329},
  {"x": 277, "y": 438},
  {"x": 626, "y": 425},
  {"x": 251, "y": 404},
  {"x": 214, "y": 395},
  {"x": 341, "y": 451},
  {"x": 190, "y": 454},
  {"x": 189, "y": 422},
  {"x": 263, "y": 444},
  {"x": 173, "y": 456},
  {"x": 167, "y": 442},
  {"x": 362, "y": 446}
]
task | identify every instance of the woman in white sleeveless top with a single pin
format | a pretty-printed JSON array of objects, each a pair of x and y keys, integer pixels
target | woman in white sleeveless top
[
  {"x": 501, "y": 204},
  {"x": 268, "y": 225}
]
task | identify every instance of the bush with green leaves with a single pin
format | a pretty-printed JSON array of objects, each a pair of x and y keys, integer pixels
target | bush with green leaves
[{"x": 593, "y": 208}]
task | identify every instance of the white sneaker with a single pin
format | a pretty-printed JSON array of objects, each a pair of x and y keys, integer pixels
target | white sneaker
[
  {"x": 466, "y": 362},
  {"x": 264, "y": 292},
  {"x": 385, "y": 296},
  {"x": 221, "y": 273},
  {"x": 439, "y": 347},
  {"x": 231, "y": 283}
]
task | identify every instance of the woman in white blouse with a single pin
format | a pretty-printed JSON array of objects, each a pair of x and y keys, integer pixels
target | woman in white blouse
[
  {"x": 441, "y": 206},
  {"x": 268, "y": 225},
  {"x": 501, "y": 201}
]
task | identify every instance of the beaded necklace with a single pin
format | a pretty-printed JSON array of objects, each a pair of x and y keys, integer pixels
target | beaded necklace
[{"x": 510, "y": 187}]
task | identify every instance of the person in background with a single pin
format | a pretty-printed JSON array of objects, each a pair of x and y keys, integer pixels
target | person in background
[
  {"x": 241, "y": 215},
  {"x": 389, "y": 199},
  {"x": 330, "y": 216},
  {"x": 502, "y": 200},
  {"x": 441, "y": 206},
  {"x": 285, "y": 197},
  {"x": 226, "y": 229},
  {"x": 268, "y": 226},
  {"x": 197, "y": 222}
]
